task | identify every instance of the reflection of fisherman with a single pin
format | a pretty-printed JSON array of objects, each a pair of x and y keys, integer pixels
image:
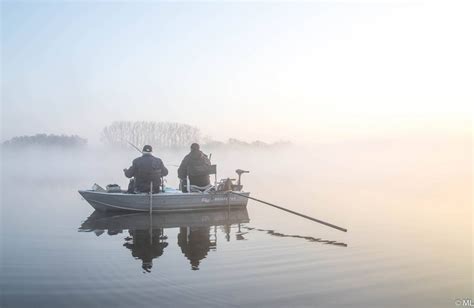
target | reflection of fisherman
[
  {"x": 196, "y": 166},
  {"x": 146, "y": 246},
  {"x": 195, "y": 243},
  {"x": 146, "y": 169}
]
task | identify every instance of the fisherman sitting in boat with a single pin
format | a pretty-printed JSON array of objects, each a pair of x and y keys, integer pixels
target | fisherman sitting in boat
[
  {"x": 146, "y": 169},
  {"x": 196, "y": 166}
]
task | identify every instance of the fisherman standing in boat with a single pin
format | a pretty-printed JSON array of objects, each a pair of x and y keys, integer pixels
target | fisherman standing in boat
[
  {"x": 196, "y": 166},
  {"x": 146, "y": 169}
]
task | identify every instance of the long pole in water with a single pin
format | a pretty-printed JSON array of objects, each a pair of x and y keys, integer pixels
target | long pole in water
[
  {"x": 151, "y": 197},
  {"x": 292, "y": 212}
]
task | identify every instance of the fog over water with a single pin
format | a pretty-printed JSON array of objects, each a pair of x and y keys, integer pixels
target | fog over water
[{"x": 406, "y": 203}]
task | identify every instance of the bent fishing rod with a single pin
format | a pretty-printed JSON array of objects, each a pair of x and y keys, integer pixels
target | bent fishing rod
[
  {"x": 292, "y": 212},
  {"x": 141, "y": 152},
  {"x": 135, "y": 147}
]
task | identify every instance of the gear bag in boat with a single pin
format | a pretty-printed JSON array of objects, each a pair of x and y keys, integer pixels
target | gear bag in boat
[{"x": 113, "y": 188}]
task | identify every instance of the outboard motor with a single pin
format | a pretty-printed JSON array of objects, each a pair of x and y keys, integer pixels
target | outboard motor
[
  {"x": 227, "y": 184},
  {"x": 239, "y": 185}
]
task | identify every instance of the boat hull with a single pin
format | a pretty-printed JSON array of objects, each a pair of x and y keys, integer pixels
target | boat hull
[{"x": 163, "y": 202}]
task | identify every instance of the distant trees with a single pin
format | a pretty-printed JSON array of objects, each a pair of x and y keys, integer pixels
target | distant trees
[
  {"x": 46, "y": 140},
  {"x": 157, "y": 134}
]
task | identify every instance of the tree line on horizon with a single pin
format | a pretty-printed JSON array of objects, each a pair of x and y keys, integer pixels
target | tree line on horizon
[
  {"x": 46, "y": 140},
  {"x": 165, "y": 135}
]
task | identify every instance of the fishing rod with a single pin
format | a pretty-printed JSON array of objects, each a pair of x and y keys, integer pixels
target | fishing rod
[
  {"x": 292, "y": 212},
  {"x": 135, "y": 147}
]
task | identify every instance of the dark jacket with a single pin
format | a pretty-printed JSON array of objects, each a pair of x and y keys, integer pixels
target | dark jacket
[
  {"x": 146, "y": 169},
  {"x": 195, "y": 165}
]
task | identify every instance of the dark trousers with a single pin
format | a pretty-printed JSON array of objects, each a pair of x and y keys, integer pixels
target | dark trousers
[
  {"x": 133, "y": 188},
  {"x": 200, "y": 181}
]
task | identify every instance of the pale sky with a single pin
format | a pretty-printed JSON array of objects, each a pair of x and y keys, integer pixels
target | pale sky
[{"x": 300, "y": 71}]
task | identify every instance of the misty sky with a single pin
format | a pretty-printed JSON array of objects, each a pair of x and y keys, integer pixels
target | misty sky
[{"x": 293, "y": 71}]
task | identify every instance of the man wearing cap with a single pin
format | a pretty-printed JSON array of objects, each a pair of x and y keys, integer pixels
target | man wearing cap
[
  {"x": 146, "y": 169},
  {"x": 196, "y": 166}
]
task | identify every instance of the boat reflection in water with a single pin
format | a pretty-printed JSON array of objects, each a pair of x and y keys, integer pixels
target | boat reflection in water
[{"x": 147, "y": 239}]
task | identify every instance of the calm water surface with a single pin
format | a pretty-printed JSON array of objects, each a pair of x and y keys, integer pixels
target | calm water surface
[{"x": 408, "y": 210}]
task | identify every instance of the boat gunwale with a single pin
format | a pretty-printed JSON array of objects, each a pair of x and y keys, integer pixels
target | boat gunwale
[{"x": 164, "y": 194}]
